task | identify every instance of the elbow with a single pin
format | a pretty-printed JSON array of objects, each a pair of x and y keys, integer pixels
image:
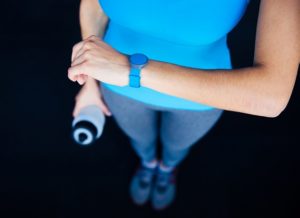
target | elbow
[
  {"x": 273, "y": 107},
  {"x": 275, "y": 112}
]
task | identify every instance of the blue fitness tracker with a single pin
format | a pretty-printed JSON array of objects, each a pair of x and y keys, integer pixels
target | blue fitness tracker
[{"x": 137, "y": 62}]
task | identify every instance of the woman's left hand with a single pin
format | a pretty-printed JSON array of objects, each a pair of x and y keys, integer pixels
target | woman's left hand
[{"x": 94, "y": 58}]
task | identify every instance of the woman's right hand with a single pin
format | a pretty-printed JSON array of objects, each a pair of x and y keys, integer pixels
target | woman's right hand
[{"x": 90, "y": 94}]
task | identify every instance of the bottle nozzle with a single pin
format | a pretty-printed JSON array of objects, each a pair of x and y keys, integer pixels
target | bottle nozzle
[{"x": 82, "y": 137}]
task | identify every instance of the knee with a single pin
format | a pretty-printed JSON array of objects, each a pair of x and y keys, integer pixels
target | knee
[{"x": 177, "y": 146}]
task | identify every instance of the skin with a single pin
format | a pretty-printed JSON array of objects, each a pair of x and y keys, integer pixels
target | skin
[
  {"x": 93, "y": 21},
  {"x": 263, "y": 89}
]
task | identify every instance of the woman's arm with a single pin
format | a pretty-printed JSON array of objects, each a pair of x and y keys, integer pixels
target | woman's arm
[
  {"x": 93, "y": 21},
  {"x": 263, "y": 89}
]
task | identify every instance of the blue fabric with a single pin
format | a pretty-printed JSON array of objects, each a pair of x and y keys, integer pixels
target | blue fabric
[
  {"x": 134, "y": 77},
  {"x": 190, "y": 33}
]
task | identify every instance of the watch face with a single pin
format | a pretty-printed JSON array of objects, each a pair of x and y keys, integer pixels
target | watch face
[{"x": 138, "y": 59}]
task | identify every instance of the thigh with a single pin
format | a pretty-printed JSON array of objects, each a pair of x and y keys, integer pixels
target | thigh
[
  {"x": 182, "y": 128},
  {"x": 136, "y": 119}
]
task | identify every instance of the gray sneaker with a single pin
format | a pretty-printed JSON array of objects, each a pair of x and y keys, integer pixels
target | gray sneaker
[
  {"x": 141, "y": 184},
  {"x": 164, "y": 189}
]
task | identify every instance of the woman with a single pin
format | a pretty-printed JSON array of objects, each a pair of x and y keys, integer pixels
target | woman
[{"x": 187, "y": 81}]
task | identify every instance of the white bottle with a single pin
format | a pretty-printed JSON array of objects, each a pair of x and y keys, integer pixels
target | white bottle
[{"x": 88, "y": 125}]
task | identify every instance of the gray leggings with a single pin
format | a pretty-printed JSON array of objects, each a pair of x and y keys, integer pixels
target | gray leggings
[{"x": 142, "y": 123}]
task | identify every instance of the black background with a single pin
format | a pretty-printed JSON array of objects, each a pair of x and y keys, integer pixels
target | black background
[{"x": 247, "y": 166}]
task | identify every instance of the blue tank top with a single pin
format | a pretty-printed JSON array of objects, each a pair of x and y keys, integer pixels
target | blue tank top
[{"x": 190, "y": 33}]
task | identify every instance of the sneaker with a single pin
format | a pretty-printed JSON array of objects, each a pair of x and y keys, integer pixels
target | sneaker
[
  {"x": 141, "y": 184},
  {"x": 164, "y": 189}
]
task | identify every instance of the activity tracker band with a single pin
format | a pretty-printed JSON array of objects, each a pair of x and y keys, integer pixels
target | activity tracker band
[{"x": 137, "y": 62}]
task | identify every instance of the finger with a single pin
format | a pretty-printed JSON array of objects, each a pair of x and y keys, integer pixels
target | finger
[
  {"x": 77, "y": 70},
  {"x": 107, "y": 112},
  {"x": 80, "y": 58},
  {"x": 97, "y": 40},
  {"x": 75, "y": 110},
  {"x": 93, "y": 38},
  {"x": 82, "y": 47},
  {"x": 73, "y": 79},
  {"x": 105, "y": 109},
  {"x": 76, "y": 48},
  {"x": 80, "y": 52},
  {"x": 81, "y": 79}
]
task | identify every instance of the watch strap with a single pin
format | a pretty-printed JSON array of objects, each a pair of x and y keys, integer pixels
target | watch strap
[{"x": 134, "y": 77}]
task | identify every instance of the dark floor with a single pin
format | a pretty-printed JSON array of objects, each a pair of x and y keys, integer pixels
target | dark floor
[{"x": 247, "y": 166}]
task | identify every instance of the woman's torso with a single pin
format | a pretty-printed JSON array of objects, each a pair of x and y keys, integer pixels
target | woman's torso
[{"x": 189, "y": 33}]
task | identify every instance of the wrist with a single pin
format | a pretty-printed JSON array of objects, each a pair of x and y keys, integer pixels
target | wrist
[
  {"x": 125, "y": 71},
  {"x": 138, "y": 62},
  {"x": 148, "y": 74},
  {"x": 91, "y": 83}
]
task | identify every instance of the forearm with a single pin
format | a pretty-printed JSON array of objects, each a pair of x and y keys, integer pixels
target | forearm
[
  {"x": 263, "y": 89},
  {"x": 248, "y": 90},
  {"x": 93, "y": 21}
]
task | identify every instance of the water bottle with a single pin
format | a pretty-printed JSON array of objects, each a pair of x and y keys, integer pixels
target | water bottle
[{"x": 88, "y": 125}]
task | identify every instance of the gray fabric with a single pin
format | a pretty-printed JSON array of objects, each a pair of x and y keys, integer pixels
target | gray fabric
[{"x": 144, "y": 123}]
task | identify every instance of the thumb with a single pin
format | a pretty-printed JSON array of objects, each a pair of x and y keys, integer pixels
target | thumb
[{"x": 105, "y": 109}]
